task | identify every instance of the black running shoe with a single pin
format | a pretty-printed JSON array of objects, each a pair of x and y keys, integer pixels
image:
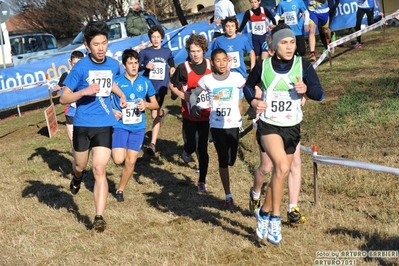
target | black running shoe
[
  {"x": 75, "y": 185},
  {"x": 119, "y": 196},
  {"x": 295, "y": 217},
  {"x": 99, "y": 224},
  {"x": 151, "y": 149}
]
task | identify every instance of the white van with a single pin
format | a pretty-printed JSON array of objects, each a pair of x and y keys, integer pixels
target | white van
[
  {"x": 117, "y": 31},
  {"x": 27, "y": 48},
  {"x": 5, "y": 53}
]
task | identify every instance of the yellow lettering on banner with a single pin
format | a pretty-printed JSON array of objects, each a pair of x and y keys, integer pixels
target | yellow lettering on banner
[{"x": 54, "y": 73}]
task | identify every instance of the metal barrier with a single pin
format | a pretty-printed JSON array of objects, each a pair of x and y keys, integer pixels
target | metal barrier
[{"x": 343, "y": 162}]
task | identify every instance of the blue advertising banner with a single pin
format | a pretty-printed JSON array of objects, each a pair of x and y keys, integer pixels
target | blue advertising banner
[{"x": 27, "y": 83}]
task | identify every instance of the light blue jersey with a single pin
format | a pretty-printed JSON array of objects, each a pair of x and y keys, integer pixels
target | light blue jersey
[
  {"x": 132, "y": 119},
  {"x": 235, "y": 48},
  {"x": 292, "y": 12}
]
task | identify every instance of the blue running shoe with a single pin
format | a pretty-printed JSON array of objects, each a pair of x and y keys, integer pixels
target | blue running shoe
[
  {"x": 263, "y": 224},
  {"x": 274, "y": 232}
]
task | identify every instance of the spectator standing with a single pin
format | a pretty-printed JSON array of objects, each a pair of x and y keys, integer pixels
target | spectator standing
[
  {"x": 136, "y": 24},
  {"x": 222, "y": 10}
]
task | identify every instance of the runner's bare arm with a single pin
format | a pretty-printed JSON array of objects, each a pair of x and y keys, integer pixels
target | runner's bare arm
[{"x": 68, "y": 96}]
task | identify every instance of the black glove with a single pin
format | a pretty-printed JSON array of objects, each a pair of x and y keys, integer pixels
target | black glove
[{"x": 195, "y": 112}]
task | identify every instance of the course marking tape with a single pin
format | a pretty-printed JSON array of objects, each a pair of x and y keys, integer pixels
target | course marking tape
[{"x": 352, "y": 36}]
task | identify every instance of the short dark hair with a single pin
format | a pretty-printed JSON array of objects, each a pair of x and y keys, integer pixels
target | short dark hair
[
  {"x": 216, "y": 52},
  {"x": 129, "y": 53},
  {"x": 94, "y": 28},
  {"x": 280, "y": 26},
  {"x": 76, "y": 54},
  {"x": 230, "y": 19},
  {"x": 156, "y": 28}
]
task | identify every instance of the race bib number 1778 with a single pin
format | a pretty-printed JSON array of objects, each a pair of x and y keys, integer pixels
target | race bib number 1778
[{"x": 104, "y": 79}]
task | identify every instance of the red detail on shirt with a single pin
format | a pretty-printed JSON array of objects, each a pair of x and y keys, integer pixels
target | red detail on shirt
[
  {"x": 192, "y": 82},
  {"x": 260, "y": 17}
]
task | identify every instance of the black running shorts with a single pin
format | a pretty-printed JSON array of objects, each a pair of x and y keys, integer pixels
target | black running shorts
[
  {"x": 159, "y": 97},
  {"x": 85, "y": 138},
  {"x": 290, "y": 135}
]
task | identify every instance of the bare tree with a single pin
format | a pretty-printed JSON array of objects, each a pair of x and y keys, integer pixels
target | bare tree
[
  {"x": 164, "y": 8},
  {"x": 180, "y": 13},
  {"x": 64, "y": 18}
]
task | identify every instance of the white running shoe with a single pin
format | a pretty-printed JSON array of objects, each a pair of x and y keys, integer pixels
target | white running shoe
[
  {"x": 263, "y": 225},
  {"x": 274, "y": 233}
]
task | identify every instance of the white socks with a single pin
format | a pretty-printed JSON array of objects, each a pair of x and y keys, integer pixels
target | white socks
[{"x": 255, "y": 195}]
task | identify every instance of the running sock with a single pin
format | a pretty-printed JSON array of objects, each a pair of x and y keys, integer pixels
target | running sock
[
  {"x": 290, "y": 206},
  {"x": 255, "y": 195},
  {"x": 78, "y": 178},
  {"x": 229, "y": 196},
  {"x": 262, "y": 213}
]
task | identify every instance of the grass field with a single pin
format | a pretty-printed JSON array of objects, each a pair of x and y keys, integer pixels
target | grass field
[{"x": 163, "y": 221}]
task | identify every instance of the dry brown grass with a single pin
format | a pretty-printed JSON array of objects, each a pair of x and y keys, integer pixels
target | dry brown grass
[{"x": 163, "y": 221}]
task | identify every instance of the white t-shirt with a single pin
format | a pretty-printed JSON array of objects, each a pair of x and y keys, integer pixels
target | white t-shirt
[
  {"x": 224, "y": 96},
  {"x": 223, "y": 9}
]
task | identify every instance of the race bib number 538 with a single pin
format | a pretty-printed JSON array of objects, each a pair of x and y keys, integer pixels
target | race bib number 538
[{"x": 158, "y": 72}]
